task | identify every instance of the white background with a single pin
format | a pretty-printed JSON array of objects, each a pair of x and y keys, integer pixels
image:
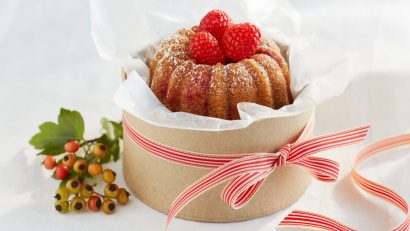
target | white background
[{"x": 48, "y": 60}]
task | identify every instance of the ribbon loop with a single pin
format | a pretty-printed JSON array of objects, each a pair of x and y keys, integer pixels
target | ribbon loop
[{"x": 238, "y": 191}]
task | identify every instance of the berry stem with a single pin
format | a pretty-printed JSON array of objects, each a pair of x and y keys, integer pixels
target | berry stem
[
  {"x": 89, "y": 158},
  {"x": 85, "y": 142},
  {"x": 99, "y": 194}
]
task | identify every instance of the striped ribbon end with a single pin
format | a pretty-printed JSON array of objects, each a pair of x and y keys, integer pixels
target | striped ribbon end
[
  {"x": 310, "y": 220},
  {"x": 315, "y": 221}
]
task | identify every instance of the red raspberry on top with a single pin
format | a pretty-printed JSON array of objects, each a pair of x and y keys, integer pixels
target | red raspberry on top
[
  {"x": 215, "y": 22},
  {"x": 205, "y": 49},
  {"x": 195, "y": 28},
  {"x": 240, "y": 41}
]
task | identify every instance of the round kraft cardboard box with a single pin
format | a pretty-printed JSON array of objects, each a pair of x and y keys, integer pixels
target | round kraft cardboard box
[{"x": 157, "y": 182}]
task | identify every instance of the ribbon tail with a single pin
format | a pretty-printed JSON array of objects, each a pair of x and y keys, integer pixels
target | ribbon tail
[
  {"x": 386, "y": 194},
  {"x": 241, "y": 189},
  {"x": 308, "y": 220},
  {"x": 321, "y": 168},
  {"x": 246, "y": 165},
  {"x": 376, "y": 189},
  {"x": 326, "y": 142}
]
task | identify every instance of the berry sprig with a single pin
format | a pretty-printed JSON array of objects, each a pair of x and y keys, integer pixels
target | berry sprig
[
  {"x": 78, "y": 163},
  {"x": 219, "y": 40}
]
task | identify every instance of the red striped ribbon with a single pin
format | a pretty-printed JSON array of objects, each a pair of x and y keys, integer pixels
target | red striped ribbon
[
  {"x": 246, "y": 172},
  {"x": 311, "y": 220}
]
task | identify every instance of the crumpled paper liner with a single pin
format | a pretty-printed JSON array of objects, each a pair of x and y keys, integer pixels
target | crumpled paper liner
[
  {"x": 158, "y": 182},
  {"x": 127, "y": 32}
]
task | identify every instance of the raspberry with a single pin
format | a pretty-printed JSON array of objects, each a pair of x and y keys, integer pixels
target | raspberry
[
  {"x": 215, "y": 22},
  {"x": 240, "y": 41},
  {"x": 204, "y": 49},
  {"x": 195, "y": 28}
]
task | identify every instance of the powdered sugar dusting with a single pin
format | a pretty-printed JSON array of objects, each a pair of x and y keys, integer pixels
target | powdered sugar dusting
[{"x": 234, "y": 82}]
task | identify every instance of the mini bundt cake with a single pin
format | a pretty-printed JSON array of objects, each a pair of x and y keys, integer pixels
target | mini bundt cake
[{"x": 182, "y": 84}]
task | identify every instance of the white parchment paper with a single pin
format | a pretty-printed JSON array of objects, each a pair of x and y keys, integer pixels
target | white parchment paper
[{"x": 127, "y": 33}]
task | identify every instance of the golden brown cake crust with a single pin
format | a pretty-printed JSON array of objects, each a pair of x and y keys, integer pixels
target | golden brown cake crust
[
  {"x": 262, "y": 82},
  {"x": 278, "y": 82},
  {"x": 215, "y": 90},
  {"x": 218, "y": 96}
]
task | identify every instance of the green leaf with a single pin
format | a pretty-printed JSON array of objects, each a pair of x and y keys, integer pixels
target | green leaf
[
  {"x": 117, "y": 129},
  {"x": 115, "y": 149},
  {"x": 51, "y": 150},
  {"x": 72, "y": 123},
  {"x": 112, "y": 134},
  {"x": 63, "y": 183},
  {"x": 52, "y": 137},
  {"x": 111, "y": 128}
]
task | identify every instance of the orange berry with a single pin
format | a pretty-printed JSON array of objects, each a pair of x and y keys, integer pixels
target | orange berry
[
  {"x": 86, "y": 191},
  {"x": 77, "y": 204},
  {"x": 71, "y": 146},
  {"x": 123, "y": 196},
  {"x": 94, "y": 203},
  {"x": 69, "y": 160},
  {"x": 73, "y": 186},
  {"x": 108, "y": 176},
  {"x": 99, "y": 150},
  {"x": 111, "y": 191},
  {"x": 108, "y": 206},
  {"x": 49, "y": 162},
  {"x": 94, "y": 169},
  {"x": 80, "y": 166}
]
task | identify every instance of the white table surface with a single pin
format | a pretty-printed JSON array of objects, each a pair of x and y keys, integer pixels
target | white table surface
[{"x": 48, "y": 60}]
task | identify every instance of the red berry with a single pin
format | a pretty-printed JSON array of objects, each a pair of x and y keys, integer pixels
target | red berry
[
  {"x": 215, "y": 22},
  {"x": 94, "y": 203},
  {"x": 71, "y": 146},
  {"x": 205, "y": 49},
  {"x": 240, "y": 41},
  {"x": 49, "y": 162},
  {"x": 61, "y": 172}
]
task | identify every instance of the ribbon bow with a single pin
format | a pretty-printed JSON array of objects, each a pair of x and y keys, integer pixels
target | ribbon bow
[{"x": 247, "y": 172}]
